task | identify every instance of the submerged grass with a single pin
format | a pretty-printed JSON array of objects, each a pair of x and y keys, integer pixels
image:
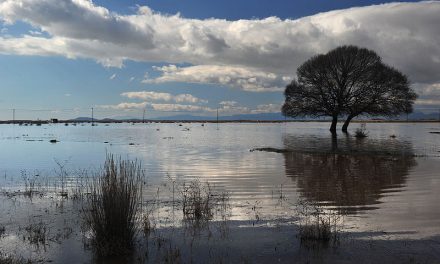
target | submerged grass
[
  {"x": 37, "y": 234},
  {"x": 318, "y": 226},
  {"x": 8, "y": 259},
  {"x": 113, "y": 206},
  {"x": 197, "y": 201},
  {"x": 361, "y": 132}
]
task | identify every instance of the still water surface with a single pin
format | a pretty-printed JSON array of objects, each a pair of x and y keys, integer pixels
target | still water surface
[{"x": 379, "y": 183}]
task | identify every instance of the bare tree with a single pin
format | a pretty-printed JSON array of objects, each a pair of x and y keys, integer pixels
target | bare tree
[{"x": 347, "y": 81}]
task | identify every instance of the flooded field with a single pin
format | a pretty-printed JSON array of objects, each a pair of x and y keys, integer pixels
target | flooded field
[{"x": 381, "y": 191}]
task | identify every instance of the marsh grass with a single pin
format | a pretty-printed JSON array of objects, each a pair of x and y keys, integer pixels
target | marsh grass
[
  {"x": 197, "y": 201},
  {"x": 361, "y": 132},
  {"x": 37, "y": 234},
  {"x": 113, "y": 206},
  {"x": 147, "y": 225},
  {"x": 8, "y": 259},
  {"x": 29, "y": 184},
  {"x": 200, "y": 202},
  {"x": 317, "y": 225},
  {"x": 172, "y": 255}
]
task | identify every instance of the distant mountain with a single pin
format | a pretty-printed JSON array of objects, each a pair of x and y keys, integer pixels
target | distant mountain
[
  {"x": 253, "y": 117},
  {"x": 83, "y": 119},
  {"x": 262, "y": 117}
]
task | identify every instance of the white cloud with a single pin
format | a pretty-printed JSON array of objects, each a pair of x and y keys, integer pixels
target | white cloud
[
  {"x": 124, "y": 106},
  {"x": 113, "y": 76},
  {"x": 156, "y": 96},
  {"x": 252, "y": 80},
  {"x": 227, "y": 108},
  {"x": 180, "y": 108},
  {"x": 180, "y": 98},
  {"x": 267, "y": 108},
  {"x": 428, "y": 102},
  {"x": 228, "y": 103},
  {"x": 79, "y": 28},
  {"x": 429, "y": 94},
  {"x": 131, "y": 79},
  {"x": 33, "y": 32}
]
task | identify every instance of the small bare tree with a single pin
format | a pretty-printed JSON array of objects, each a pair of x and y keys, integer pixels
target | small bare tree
[{"x": 347, "y": 81}]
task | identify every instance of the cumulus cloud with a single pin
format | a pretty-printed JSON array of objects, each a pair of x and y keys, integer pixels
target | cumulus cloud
[
  {"x": 429, "y": 94},
  {"x": 228, "y": 103},
  {"x": 79, "y": 28},
  {"x": 156, "y": 96},
  {"x": 180, "y": 108},
  {"x": 226, "y": 107},
  {"x": 247, "y": 79},
  {"x": 428, "y": 102},
  {"x": 124, "y": 106},
  {"x": 267, "y": 108},
  {"x": 78, "y": 19}
]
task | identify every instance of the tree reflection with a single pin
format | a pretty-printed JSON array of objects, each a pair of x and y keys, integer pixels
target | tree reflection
[{"x": 346, "y": 173}]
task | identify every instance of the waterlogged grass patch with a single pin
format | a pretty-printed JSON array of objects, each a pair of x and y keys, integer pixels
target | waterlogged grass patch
[
  {"x": 361, "y": 132},
  {"x": 318, "y": 225},
  {"x": 113, "y": 206},
  {"x": 200, "y": 201}
]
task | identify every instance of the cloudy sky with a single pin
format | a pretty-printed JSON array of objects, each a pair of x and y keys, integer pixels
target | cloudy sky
[{"x": 59, "y": 58}]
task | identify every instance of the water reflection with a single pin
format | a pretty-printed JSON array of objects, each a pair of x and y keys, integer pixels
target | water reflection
[{"x": 348, "y": 173}]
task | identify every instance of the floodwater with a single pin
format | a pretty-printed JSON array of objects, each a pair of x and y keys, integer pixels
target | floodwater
[{"x": 388, "y": 182}]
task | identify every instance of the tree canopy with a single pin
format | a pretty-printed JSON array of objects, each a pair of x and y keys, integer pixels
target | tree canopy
[{"x": 347, "y": 81}]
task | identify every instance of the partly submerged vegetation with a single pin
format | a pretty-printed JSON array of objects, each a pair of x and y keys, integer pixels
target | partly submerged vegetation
[
  {"x": 113, "y": 206},
  {"x": 317, "y": 225},
  {"x": 197, "y": 219},
  {"x": 361, "y": 132}
]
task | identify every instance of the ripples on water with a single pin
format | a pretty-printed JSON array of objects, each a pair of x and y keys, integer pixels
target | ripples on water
[{"x": 376, "y": 181}]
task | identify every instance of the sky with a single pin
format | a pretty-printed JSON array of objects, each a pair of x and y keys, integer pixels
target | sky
[{"x": 60, "y": 58}]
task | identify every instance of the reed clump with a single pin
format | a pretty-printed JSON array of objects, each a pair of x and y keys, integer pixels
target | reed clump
[
  {"x": 197, "y": 201},
  {"x": 113, "y": 207},
  {"x": 318, "y": 225},
  {"x": 37, "y": 233},
  {"x": 8, "y": 259},
  {"x": 361, "y": 132}
]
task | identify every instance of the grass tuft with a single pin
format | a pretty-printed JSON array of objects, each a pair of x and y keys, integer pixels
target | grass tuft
[
  {"x": 361, "y": 132},
  {"x": 8, "y": 259},
  {"x": 318, "y": 225},
  {"x": 37, "y": 234},
  {"x": 113, "y": 207},
  {"x": 197, "y": 201}
]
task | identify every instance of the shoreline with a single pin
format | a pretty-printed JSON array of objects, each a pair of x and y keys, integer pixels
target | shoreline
[{"x": 45, "y": 122}]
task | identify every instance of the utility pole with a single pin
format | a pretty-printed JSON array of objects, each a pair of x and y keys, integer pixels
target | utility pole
[
  {"x": 13, "y": 116},
  {"x": 217, "y": 118},
  {"x": 143, "y": 116},
  {"x": 92, "y": 118}
]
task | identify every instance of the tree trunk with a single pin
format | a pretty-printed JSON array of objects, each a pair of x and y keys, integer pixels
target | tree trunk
[
  {"x": 346, "y": 123},
  {"x": 334, "y": 123},
  {"x": 334, "y": 142}
]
